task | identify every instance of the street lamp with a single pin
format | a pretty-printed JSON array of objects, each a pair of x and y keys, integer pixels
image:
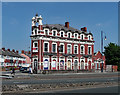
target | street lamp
[
  {"x": 102, "y": 47},
  {"x": 59, "y": 49}
]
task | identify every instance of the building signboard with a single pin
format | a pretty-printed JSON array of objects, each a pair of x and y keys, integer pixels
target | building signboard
[
  {"x": 46, "y": 63},
  {"x": 53, "y": 65}
]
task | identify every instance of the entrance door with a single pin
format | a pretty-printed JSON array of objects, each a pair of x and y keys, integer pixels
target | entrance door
[
  {"x": 82, "y": 65},
  {"x": 35, "y": 66},
  {"x": 75, "y": 65},
  {"x": 61, "y": 65},
  {"x": 89, "y": 65},
  {"x": 69, "y": 65}
]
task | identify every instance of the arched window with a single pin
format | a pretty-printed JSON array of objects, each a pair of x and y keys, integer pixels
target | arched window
[
  {"x": 61, "y": 64},
  {"x": 89, "y": 37},
  {"x": 82, "y": 37},
  {"x": 69, "y": 64},
  {"x": 89, "y": 50},
  {"x": 68, "y": 35},
  {"x": 54, "y": 33},
  {"x": 82, "y": 64},
  {"x": 46, "y": 32},
  {"x": 82, "y": 49},
  {"x": 61, "y": 34}
]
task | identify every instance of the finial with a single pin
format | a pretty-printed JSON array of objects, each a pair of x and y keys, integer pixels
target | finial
[{"x": 36, "y": 14}]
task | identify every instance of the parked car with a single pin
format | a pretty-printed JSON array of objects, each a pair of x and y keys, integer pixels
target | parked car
[{"x": 24, "y": 69}]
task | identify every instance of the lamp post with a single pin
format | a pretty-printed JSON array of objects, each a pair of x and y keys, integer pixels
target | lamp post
[
  {"x": 59, "y": 48},
  {"x": 102, "y": 47}
]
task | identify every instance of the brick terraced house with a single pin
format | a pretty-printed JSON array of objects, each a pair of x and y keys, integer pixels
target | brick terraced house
[
  {"x": 11, "y": 58},
  {"x": 60, "y": 47}
]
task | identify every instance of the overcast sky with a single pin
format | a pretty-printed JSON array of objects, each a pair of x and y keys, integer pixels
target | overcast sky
[{"x": 97, "y": 17}]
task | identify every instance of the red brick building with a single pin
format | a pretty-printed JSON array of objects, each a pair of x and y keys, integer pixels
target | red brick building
[
  {"x": 99, "y": 59},
  {"x": 60, "y": 47}
]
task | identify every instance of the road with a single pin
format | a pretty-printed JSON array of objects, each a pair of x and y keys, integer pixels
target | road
[
  {"x": 113, "y": 89},
  {"x": 61, "y": 78}
]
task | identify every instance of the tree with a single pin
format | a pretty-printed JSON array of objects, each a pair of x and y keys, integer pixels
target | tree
[{"x": 112, "y": 55}]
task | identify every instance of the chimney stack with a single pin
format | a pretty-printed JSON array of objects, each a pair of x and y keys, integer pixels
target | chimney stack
[
  {"x": 8, "y": 49},
  {"x": 13, "y": 50},
  {"x": 16, "y": 51},
  {"x": 22, "y": 51},
  {"x": 67, "y": 24},
  {"x": 84, "y": 29},
  {"x": 3, "y": 49}
]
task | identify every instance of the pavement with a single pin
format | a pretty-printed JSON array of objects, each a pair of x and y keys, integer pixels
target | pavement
[{"x": 37, "y": 80}]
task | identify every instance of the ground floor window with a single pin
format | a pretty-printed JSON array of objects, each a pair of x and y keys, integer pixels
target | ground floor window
[
  {"x": 61, "y": 65},
  {"x": 82, "y": 64},
  {"x": 53, "y": 64},
  {"x": 69, "y": 64}
]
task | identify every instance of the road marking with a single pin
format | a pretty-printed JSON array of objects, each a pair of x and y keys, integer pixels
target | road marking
[{"x": 17, "y": 82}]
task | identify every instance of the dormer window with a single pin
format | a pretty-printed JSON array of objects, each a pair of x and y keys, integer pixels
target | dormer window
[
  {"x": 76, "y": 36},
  {"x": 68, "y": 35},
  {"x": 89, "y": 38},
  {"x": 61, "y": 34},
  {"x": 54, "y": 33},
  {"x": 82, "y": 37},
  {"x": 46, "y": 32}
]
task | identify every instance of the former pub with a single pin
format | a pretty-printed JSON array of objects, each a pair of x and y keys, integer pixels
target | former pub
[{"x": 60, "y": 47}]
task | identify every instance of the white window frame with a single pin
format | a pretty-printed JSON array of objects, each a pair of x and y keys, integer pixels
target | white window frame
[
  {"x": 70, "y": 34},
  {"x": 44, "y": 47},
  {"x": 34, "y": 31},
  {"x": 83, "y": 49},
  {"x": 63, "y": 47},
  {"x": 70, "y": 48},
  {"x": 55, "y": 31},
  {"x": 74, "y": 49},
  {"x": 47, "y": 30},
  {"x": 34, "y": 46},
  {"x": 90, "y": 50},
  {"x": 81, "y": 36},
  {"x": 56, "y": 47},
  {"x": 89, "y": 36},
  {"x": 63, "y": 33},
  {"x": 75, "y": 34}
]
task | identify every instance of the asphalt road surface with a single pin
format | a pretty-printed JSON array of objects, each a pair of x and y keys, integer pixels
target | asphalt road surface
[
  {"x": 64, "y": 78},
  {"x": 113, "y": 90}
]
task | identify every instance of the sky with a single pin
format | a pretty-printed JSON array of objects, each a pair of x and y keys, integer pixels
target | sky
[{"x": 96, "y": 16}]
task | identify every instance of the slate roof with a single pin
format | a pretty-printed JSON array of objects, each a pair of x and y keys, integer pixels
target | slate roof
[
  {"x": 10, "y": 53},
  {"x": 62, "y": 27}
]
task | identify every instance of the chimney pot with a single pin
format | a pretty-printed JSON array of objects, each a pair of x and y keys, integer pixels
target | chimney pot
[
  {"x": 22, "y": 51},
  {"x": 84, "y": 29},
  {"x": 16, "y": 51},
  {"x": 67, "y": 24},
  {"x": 3, "y": 49},
  {"x": 8, "y": 49},
  {"x": 13, "y": 50}
]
